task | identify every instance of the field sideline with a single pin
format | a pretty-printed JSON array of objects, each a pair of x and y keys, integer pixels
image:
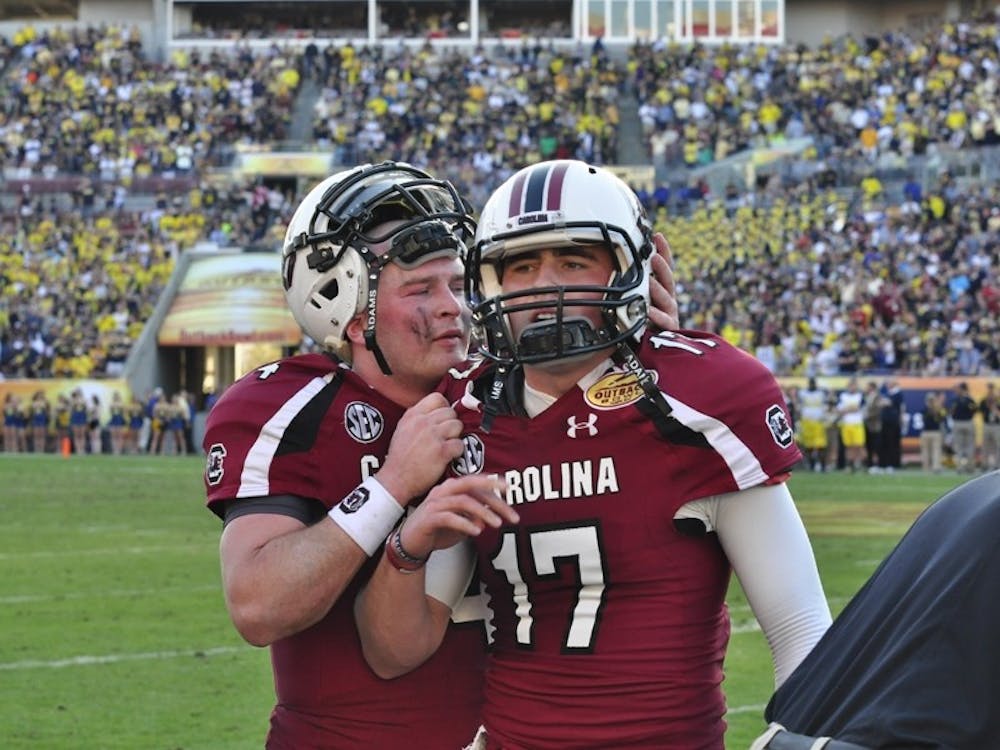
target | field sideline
[{"x": 115, "y": 634}]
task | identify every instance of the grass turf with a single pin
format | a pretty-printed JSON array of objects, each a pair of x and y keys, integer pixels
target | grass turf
[{"x": 114, "y": 633}]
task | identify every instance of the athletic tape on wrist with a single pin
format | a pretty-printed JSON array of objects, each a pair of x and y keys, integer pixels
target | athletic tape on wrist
[{"x": 367, "y": 515}]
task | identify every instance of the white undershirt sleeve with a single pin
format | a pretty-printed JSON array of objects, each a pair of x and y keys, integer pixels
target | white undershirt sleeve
[
  {"x": 767, "y": 545},
  {"x": 448, "y": 573}
]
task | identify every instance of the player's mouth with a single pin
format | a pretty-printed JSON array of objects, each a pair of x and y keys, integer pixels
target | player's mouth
[{"x": 452, "y": 334}]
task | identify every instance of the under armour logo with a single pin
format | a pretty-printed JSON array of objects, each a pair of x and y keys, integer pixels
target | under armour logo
[{"x": 590, "y": 425}]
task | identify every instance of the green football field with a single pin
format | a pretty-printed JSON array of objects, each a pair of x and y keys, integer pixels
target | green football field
[{"x": 113, "y": 632}]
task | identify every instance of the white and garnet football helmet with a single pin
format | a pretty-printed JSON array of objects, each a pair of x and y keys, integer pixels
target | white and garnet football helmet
[
  {"x": 328, "y": 269},
  {"x": 550, "y": 205}
]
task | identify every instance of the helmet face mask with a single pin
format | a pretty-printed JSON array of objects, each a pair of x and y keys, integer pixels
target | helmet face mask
[
  {"x": 329, "y": 269},
  {"x": 555, "y": 205}
]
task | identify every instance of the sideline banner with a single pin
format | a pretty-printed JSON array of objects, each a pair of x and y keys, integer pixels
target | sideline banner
[
  {"x": 314, "y": 164},
  {"x": 230, "y": 299}
]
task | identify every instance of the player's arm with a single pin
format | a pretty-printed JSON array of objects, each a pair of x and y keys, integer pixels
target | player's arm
[
  {"x": 767, "y": 545},
  {"x": 281, "y": 575},
  {"x": 403, "y": 611}
]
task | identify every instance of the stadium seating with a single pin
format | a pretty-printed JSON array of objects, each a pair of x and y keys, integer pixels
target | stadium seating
[{"x": 111, "y": 167}]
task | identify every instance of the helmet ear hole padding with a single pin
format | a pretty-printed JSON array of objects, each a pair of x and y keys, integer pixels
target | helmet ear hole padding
[
  {"x": 551, "y": 205},
  {"x": 331, "y": 290}
]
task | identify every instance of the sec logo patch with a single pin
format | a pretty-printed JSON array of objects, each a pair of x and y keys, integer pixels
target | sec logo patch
[
  {"x": 473, "y": 456},
  {"x": 364, "y": 422}
]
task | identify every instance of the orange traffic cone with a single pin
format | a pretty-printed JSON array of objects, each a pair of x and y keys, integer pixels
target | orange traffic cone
[{"x": 65, "y": 448}]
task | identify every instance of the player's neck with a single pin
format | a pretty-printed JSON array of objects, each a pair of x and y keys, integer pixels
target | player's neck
[
  {"x": 403, "y": 391},
  {"x": 556, "y": 379}
]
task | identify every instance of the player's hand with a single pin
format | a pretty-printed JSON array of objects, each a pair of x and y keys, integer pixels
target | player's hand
[
  {"x": 454, "y": 510},
  {"x": 663, "y": 312},
  {"x": 426, "y": 440}
]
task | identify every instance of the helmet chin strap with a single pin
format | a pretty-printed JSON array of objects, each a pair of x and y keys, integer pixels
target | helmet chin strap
[
  {"x": 374, "y": 269},
  {"x": 625, "y": 357}
]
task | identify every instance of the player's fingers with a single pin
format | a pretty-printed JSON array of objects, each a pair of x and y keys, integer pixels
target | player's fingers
[
  {"x": 663, "y": 249},
  {"x": 478, "y": 515},
  {"x": 452, "y": 448},
  {"x": 663, "y": 309},
  {"x": 492, "y": 496},
  {"x": 449, "y": 427},
  {"x": 430, "y": 403}
]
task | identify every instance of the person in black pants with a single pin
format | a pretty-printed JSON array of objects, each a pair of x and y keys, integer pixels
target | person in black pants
[
  {"x": 893, "y": 415},
  {"x": 963, "y": 409},
  {"x": 913, "y": 661}
]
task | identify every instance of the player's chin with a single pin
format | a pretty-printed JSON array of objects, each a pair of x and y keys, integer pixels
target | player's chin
[{"x": 455, "y": 347}]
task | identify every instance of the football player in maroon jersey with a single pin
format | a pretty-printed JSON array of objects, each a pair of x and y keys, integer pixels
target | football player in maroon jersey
[
  {"x": 311, "y": 460},
  {"x": 644, "y": 468}
]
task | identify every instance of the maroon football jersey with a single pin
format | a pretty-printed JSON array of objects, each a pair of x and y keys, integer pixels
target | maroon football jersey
[
  {"x": 306, "y": 427},
  {"x": 610, "y": 624}
]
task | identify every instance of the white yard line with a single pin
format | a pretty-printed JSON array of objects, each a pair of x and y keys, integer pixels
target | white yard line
[
  {"x": 756, "y": 708},
  {"x": 121, "y": 593},
  {"x": 83, "y": 661},
  {"x": 104, "y": 551}
]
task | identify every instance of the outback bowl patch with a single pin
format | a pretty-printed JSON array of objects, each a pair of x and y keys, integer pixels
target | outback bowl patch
[{"x": 614, "y": 390}]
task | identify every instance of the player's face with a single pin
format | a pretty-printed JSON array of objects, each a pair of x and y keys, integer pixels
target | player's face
[
  {"x": 423, "y": 322},
  {"x": 586, "y": 265}
]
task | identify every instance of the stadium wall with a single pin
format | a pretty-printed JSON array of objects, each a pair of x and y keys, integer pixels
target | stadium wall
[
  {"x": 810, "y": 21},
  {"x": 914, "y": 390},
  {"x": 805, "y": 21}
]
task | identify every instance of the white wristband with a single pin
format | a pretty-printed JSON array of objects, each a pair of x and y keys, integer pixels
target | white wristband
[{"x": 367, "y": 515}]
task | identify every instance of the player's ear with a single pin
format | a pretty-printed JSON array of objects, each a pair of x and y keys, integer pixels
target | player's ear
[{"x": 355, "y": 330}]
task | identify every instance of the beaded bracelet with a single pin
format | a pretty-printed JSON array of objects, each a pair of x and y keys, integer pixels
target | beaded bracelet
[{"x": 398, "y": 557}]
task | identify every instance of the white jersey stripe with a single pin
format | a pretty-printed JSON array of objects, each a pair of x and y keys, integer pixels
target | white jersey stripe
[
  {"x": 257, "y": 466},
  {"x": 742, "y": 463}
]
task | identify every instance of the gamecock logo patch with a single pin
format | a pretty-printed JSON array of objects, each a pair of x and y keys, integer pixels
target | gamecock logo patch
[
  {"x": 353, "y": 502},
  {"x": 214, "y": 468},
  {"x": 780, "y": 427}
]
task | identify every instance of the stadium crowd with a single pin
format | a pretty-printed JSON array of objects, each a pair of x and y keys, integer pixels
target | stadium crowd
[
  {"x": 87, "y": 101},
  {"x": 881, "y": 98},
  {"x": 474, "y": 117},
  {"x": 810, "y": 280}
]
